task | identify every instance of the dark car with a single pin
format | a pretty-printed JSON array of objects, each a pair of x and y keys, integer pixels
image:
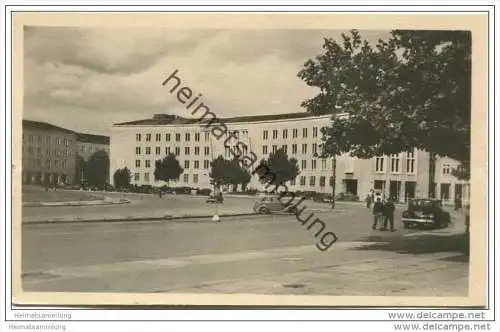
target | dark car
[
  {"x": 215, "y": 198},
  {"x": 425, "y": 212},
  {"x": 272, "y": 204}
]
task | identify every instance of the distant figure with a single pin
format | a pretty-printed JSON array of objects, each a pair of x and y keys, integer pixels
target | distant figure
[
  {"x": 368, "y": 201},
  {"x": 389, "y": 214},
  {"x": 378, "y": 213}
]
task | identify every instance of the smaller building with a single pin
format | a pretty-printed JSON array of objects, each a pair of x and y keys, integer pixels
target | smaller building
[
  {"x": 48, "y": 154},
  {"x": 88, "y": 144}
]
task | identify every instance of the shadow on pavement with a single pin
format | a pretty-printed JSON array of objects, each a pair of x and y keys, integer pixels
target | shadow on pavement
[{"x": 424, "y": 244}]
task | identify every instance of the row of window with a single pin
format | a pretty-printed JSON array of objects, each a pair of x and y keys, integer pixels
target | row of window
[
  {"x": 48, "y": 152},
  {"x": 147, "y": 178},
  {"x": 395, "y": 163},
  {"x": 176, "y": 150},
  {"x": 91, "y": 148},
  {"x": 274, "y": 148},
  {"x": 196, "y": 164},
  {"x": 48, "y": 163},
  {"x": 168, "y": 137},
  {"x": 284, "y": 133},
  {"x": 46, "y": 139}
]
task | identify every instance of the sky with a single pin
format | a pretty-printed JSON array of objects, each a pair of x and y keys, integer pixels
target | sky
[{"x": 86, "y": 79}]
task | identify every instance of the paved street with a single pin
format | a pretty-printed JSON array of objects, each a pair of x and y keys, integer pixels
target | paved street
[{"x": 253, "y": 254}]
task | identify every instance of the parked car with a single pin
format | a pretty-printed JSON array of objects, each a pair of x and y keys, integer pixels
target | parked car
[
  {"x": 322, "y": 198},
  {"x": 272, "y": 204},
  {"x": 215, "y": 198},
  {"x": 425, "y": 212}
]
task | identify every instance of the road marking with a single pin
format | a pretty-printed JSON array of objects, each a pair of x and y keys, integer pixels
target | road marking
[{"x": 98, "y": 270}]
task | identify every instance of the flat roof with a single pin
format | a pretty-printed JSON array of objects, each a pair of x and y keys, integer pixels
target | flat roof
[
  {"x": 168, "y": 119},
  {"x": 44, "y": 126},
  {"x": 90, "y": 138}
]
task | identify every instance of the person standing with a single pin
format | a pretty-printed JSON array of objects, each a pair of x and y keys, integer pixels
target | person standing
[
  {"x": 368, "y": 201},
  {"x": 378, "y": 210},
  {"x": 389, "y": 208}
]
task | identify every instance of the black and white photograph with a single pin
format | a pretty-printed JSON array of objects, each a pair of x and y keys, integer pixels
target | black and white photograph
[{"x": 250, "y": 160}]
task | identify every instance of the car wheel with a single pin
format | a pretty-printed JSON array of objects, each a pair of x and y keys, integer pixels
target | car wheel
[{"x": 264, "y": 210}]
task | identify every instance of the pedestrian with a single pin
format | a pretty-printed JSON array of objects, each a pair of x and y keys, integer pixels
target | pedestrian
[
  {"x": 368, "y": 201},
  {"x": 389, "y": 214},
  {"x": 378, "y": 209}
]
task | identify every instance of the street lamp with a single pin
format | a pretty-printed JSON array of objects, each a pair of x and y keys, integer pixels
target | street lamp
[{"x": 334, "y": 176}]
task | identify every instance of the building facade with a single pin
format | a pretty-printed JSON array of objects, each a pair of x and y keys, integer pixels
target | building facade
[
  {"x": 48, "y": 154},
  {"x": 138, "y": 144},
  {"x": 88, "y": 144}
]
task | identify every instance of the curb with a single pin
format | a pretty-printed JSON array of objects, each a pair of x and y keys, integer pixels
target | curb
[
  {"x": 80, "y": 203},
  {"x": 133, "y": 219}
]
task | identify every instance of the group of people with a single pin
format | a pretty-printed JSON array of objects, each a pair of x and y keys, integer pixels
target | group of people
[{"x": 383, "y": 212}]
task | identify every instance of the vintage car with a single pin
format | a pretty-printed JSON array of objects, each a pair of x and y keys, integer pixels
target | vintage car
[
  {"x": 215, "y": 198},
  {"x": 272, "y": 204},
  {"x": 425, "y": 212}
]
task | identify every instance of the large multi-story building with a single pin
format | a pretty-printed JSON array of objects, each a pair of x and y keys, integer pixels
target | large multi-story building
[
  {"x": 138, "y": 144},
  {"x": 48, "y": 154}
]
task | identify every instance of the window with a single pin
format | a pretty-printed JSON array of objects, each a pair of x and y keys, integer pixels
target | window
[
  {"x": 394, "y": 163},
  {"x": 264, "y": 149},
  {"x": 39, "y": 150},
  {"x": 177, "y": 137},
  {"x": 47, "y": 139},
  {"x": 445, "y": 191},
  {"x": 195, "y": 178},
  {"x": 58, "y": 140},
  {"x": 410, "y": 162},
  {"x": 206, "y": 164},
  {"x": 146, "y": 177},
  {"x": 137, "y": 176},
  {"x": 137, "y": 163},
  {"x": 379, "y": 164},
  {"x": 313, "y": 164},
  {"x": 158, "y": 150},
  {"x": 196, "y": 150},
  {"x": 275, "y": 148},
  {"x": 275, "y": 134},
  {"x": 188, "y": 137},
  {"x": 148, "y": 137},
  {"x": 30, "y": 138},
  {"x": 158, "y": 137},
  {"x": 167, "y": 137},
  {"x": 323, "y": 163},
  {"x": 148, "y": 150},
  {"x": 57, "y": 153},
  {"x": 304, "y": 148},
  {"x": 292, "y": 182},
  {"x": 147, "y": 163},
  {"x": 294, "y": 148},
  {"x": 265, "y": 134},
  {"x": 304, "y": 132},
  {"x": 285, "y": 148},
  {"x": 227, "y": 152},
  {"x": 186, "y": 164},
  {"x": 322, "y": 181},
  {"x": 304, "y": 164},
  {"x": 302, "y": 180},
  {"x": 177, "y": 151},
  {"x": 185, "y": 178},
  {"x": 315, "y": 131},
  {"x": 197, "y": 137},
  {"x": 167, "y": 150},
  {"x": 65, "y": 141},
  {"x": 186, "y": 150},
  {"x": 196, "y": 164},
  {"x": 315, "y": 148},
  {"x": 207, "y": 136},
  {"x": 446, "y": 169},
  {"x": 56, "y": 163},
  {"x": 137, "y": 150},
  {"x": 207, "y": 150},
  {"x": 47, "y": 163},
  {"x": 285, "y": 133},
  {"x": 295, "y": 133},
  {"x": 312, "y": 181},
  {"x": 331, "y": 181}
]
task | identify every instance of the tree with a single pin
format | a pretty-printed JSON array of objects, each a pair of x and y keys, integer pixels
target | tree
[
  {"x": 97, "y": 169},
  {"x": 410, "y": 91},
  {"x": 220, "y": 171},
  {"x": 168, "y": 168},
  {"x": 277, "y": 169},
  {"x": 238, "y": 174},
  {"x": 122, "y": 178}
]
